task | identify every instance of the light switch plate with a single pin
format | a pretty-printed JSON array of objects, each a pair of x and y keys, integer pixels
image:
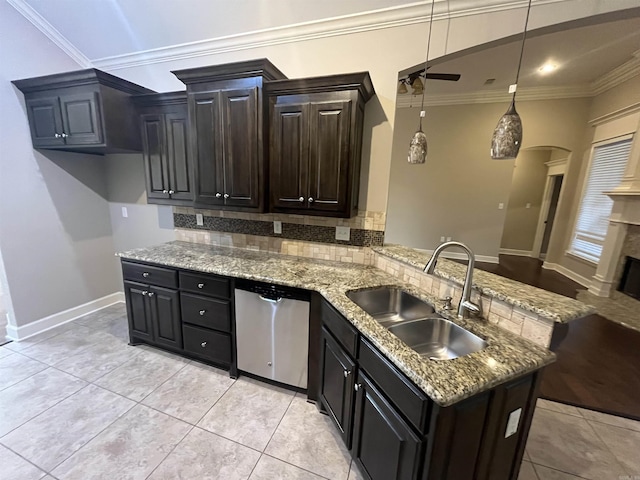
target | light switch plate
[
  {"x": 512, "y": 423},
  {"x": 528, "y": 205},
  {"x": 500, "y": 206},
  {"x": 277, "y": 226},
  {"x": 199, "y": 219},
  {"x": 343, "y": 233},
  {"x": 442, "y": 239}
]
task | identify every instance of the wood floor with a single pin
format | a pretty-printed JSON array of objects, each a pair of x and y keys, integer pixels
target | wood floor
[{"x": 598, "y": 365}]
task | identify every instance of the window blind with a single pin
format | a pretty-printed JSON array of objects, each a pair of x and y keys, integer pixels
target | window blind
[{"x": 607, "y": 167}]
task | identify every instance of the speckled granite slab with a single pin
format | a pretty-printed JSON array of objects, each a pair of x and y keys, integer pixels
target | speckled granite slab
[
  {"x": 555, "y": 307},
  {"x": 446, "y": 382}
]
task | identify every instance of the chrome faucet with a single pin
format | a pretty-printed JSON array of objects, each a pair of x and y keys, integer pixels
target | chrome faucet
[{"x": 466, "y": 306}]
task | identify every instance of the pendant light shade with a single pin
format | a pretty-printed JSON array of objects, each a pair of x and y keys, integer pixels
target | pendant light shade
[
  {"x": 507, "y": 137},
  {"x": 418, "y": 148},
  {"x": 402, "y": 88}
]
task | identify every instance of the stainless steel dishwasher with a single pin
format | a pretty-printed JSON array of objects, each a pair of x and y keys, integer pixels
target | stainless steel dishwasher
[{"x": 272, "y": 332}]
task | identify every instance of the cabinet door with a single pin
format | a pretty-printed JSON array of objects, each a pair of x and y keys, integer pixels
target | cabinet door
[
  {"x": 154, "y": 154},
  {"x": 289, "y": 155},
  {"x": 240, "y": 139},
  {"x": 177, "y": 156},
  {"x": 81, "y": 118},
  {"x": 337, "y": 382},
  {"x": 329, "y": 155},
  {"x": 45, "y": 121},
  {"x": 383, "y": 444},
  {"x": 206, "y": 147},
  {"x": 138, "y": 310},
  {"x": 165, "y": 316}
]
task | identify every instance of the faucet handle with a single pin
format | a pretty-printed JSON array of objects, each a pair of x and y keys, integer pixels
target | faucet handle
[
  {"x": 472, "y": 308},
  {"x": 447, "y": 302}
]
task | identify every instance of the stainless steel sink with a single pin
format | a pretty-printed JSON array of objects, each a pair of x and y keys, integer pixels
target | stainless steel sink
[
  {"x": 437, "y": 338},
  {"x": 389, "y": 305}
]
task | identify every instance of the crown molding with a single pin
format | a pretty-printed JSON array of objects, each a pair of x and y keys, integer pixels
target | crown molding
[
  {"x": 618, "y": 75},
  {"x": 392, "y": 17},
  {"x": 623, "y": 112},
  {"x": 50, "y": 32}
]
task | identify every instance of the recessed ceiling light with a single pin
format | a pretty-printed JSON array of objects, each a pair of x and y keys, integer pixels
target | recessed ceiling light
[{"x": 547, "y": 68}]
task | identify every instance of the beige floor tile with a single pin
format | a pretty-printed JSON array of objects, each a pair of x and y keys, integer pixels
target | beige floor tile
[
  {"x": 31, "y": 341},
  {"x": 623, "y": 443},
  {"x": 16, "y": 367},
  {"x": 592, "y": 415},
  {"x": 205, "y": 456},
  {"x": 557, "y": 407},
  {"x": 527, "y": 472},
  {"x": 131, "y": 448},
  {"x": 191, "y": 392},
  {"x": 142, "y": 374},
  {"x": 546, "y": 473},
  {"x": 309, "y": 440},
  {"x": 269, "y": 468},
  {"x": 56, "y": 434},
  {"x": 248, "y": 413},
  {"x": 354, "y": 472},
  {"x": 568, "y": 443},
  {"x": 23, "y": 401},
  {"x": 96, "y": 361},
  {"x": 13, "y": 467},
  {"x": 4, "y": 351},
  {"x": 54, "y": 350}
]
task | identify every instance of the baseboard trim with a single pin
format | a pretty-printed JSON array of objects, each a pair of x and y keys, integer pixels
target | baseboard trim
[
  {"x": 47, "y": 323},
  {"x": 463, "y": 256},
  {"x": 515, "y": 252},
  {"x": 562, "y": 270}
]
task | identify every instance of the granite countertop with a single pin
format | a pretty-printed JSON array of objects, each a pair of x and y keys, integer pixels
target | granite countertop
[
  {"x": 507, "y": 356},
  {"x": 555, "y": 307}
]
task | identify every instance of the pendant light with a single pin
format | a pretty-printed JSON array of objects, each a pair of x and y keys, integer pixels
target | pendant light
[
  {"x": 418, "y": 145},
  {"x": 507, "y": 137}
]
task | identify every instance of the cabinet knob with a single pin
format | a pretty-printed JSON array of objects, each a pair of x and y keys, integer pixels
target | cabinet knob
[
  {"x": 203, "y": 344},
  {"x": 218, "y": 195},
  {"x": 144, "y": 292},
  {"x": 201, "y": 285},
  {"x": 310, "y": 199},
  {"x": 357, "y": 386},
  {"x": 269, "y": 363},
  {"x": 57, "y": 135},
  {"x": 171, "y": 192},
  {"x": 151, "y": 294},
  {"x": 301, "y": 199},
  {"x": 346, "y": 373},
  {"x": 202, "y": 312},
  {"x": 64, "y": 135},
  {"x": 145, "y": 274},
  {"x": 165, "y": 191},
  {"x": 226, "y": 195}
]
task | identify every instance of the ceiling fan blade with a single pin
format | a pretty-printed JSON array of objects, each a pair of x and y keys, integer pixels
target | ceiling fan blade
[{"x": 452, "y": 77}]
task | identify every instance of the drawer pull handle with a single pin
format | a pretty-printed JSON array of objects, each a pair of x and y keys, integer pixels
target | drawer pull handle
[
  {"x": 202, "y": 312},
  {"x": 346, "y": 373},
  {"x": 357, "y": 386},
  {"x": 218, "y": 195},
  {"x": 269, "y": 363},
  {"x": 145, "y": 274},
  {"x": 201, "y": 285},
  {"x": 203, "y": 344},
  {"x": 144, "y": 292},
  {"x": 151, "y": 294}
]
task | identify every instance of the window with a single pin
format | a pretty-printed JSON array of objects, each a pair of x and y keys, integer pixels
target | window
[{"x": 608, "y": 162}]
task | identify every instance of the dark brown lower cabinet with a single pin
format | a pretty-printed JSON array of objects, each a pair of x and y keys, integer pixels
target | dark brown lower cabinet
[
  {"x": 336, "y": 386},
  {"x": 384, "y": 446}
]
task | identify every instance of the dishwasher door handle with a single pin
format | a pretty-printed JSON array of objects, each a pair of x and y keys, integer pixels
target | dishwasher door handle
[{"x": 270, "y": 300}]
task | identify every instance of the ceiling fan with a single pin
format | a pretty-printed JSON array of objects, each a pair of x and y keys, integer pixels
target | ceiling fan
[{"x": 414, "y": 80}]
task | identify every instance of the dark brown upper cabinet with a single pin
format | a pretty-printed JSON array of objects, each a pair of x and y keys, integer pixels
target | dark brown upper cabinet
[
  {"x": 228, "y": 133},
  {"x": 86, "y": 111},
  {"x": 315, "y": 143},
  {"x": 164, "y": 131}
]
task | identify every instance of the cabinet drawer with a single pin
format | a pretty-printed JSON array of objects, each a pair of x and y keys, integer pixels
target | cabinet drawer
[
  {"x": 162, "y": 277},
  {"x": 414, "y": 405},
  {"x": 344, "y": 332},
  {"x": 208, "y": 344},
  {"x": 206, "y": 312},
  {"x": 205, "y": 284}
]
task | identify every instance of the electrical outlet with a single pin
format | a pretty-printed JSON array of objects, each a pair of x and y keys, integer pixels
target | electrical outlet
[
  {"x": 442, "y": 239},
  {"x": 199, "y": 219},
  {"x": 448, "y": 239},
  {"x": 500, "y": 206},
  {"x": 512, "y": 423},
  {"x": 343, "y": 233},
  {"x": 125, "y": 213},
  {"x": 277, "y": 226},
  {"x": 528, "y": 205}
]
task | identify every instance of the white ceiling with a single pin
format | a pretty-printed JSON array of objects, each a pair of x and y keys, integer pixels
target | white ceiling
[
  {"x": 582, "y": 55},
  {"x": 106, "y": 28}
]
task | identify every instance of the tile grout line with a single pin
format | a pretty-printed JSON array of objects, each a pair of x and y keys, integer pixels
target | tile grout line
[
  {"x": 279, "y": 422},
  {"x": 532, "y": 468},
  {"x": 609, "y": 449},
  {"x": 556, "y": 470},
  {"x": 170, "y": 451},
  {"x": 26, "y": 378},
  {"x": 301, "y": 468},
  {"x": 25, "y": 459}
]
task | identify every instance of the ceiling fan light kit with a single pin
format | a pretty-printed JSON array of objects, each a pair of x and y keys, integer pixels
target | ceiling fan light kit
[{"x": 507, "y": 136}]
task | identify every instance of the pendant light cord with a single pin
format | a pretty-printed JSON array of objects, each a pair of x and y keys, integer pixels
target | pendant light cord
[
  {"x": 524, "y": 37},
  {"x": 426, "y": 62}
]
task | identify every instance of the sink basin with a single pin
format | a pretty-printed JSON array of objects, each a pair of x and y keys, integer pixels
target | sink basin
[
  {"x": 389, "y": 305},
  {"x": 437, "y": 338}
]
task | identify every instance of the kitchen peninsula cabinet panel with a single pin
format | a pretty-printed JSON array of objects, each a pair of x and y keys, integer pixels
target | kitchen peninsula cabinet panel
[
  {"x": 315, "y": 143},
  {"x": 86, "y": 111}
]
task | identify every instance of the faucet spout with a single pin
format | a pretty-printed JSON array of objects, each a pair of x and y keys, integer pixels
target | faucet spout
[{"x": 466, "y": 306}]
